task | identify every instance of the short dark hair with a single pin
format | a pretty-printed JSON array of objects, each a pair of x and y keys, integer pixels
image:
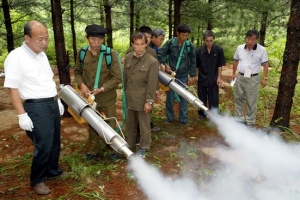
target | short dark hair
[
  {"x": 138, "y": 35},
  {"x": 183, "y": 28},
  {"x": 208, "y": 33},
  {"x": 252, "y": 32},
  {"x": 146, "y": 29}
]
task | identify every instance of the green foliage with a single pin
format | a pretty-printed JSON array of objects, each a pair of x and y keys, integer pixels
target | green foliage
[
  {"x": 275, "y": 53},
  {"x": 230, "y": 20},
  {"x": 229, "y": 45},
  {"x": 121, "y": 42}
]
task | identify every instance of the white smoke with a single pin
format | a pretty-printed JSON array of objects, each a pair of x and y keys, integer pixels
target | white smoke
[
  {"x": 253, "y": 166},
  {"x": 157, "y": 186}
]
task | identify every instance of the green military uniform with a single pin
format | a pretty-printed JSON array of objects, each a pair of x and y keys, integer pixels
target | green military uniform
[
  {"x": 109, "y": 79},
  {"x": 148, "y": 50},
  {"x": 140, "y": 80}
]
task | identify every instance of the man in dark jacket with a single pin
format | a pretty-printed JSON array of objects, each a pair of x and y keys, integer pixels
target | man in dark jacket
[
  {"x": 184, "y": 66},
  {"x": 210, "y": 59}
]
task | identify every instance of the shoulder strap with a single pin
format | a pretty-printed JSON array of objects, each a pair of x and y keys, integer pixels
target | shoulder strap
[
  {"x": 98, "y": 72},
  {"x": 108, "y": 56},
  {"x": 171, "y": 44},
  {"x": 180, "y": 55},
  {"x": 188, "y": 46},
  {"x": 82, "y": 55},
  {"x": 105, "y": 49}
]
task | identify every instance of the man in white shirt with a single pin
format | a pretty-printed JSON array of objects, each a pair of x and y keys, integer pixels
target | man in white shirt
[
  {"x": 248, "y": 59},
  {"x": 29, "y": 79}
]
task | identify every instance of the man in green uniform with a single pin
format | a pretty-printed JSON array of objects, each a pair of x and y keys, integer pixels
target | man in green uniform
[
  {"x": 140, "y": 79},
  {"x": 104, "y": 87}
]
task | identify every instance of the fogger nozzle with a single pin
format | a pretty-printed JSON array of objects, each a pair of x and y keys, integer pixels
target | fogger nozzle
[{"x": 167, "y": 80}]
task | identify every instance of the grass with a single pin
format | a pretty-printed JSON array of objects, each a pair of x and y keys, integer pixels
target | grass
[{"x": 89, "y": 177}]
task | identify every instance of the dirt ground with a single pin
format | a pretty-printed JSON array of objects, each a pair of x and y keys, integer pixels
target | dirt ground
[{"x": 114, "y": 184}]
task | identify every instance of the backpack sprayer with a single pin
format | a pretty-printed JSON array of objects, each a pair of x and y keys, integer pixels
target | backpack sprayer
[{"x": 82, "y": 109}]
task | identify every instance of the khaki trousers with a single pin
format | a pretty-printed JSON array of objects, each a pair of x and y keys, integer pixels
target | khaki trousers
[
  {"x": 143, "y": 119},
  {"x": 246, "y": 97}
]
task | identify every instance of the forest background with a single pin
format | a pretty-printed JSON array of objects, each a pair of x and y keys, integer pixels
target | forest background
[
  {"x": 176, "y": 149},
  {"x": 229, "y": 19}
]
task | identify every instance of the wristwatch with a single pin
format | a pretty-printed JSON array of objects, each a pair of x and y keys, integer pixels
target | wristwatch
[
  {"x": 150, "y": 102},
  {"x": 265, "y": 78}
]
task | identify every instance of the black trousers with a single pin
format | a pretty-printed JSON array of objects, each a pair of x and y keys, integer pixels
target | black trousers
[
  {"x": 209, "y": 96},
  {"x": 46, "y": 139}
]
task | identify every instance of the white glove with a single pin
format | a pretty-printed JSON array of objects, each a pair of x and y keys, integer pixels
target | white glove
[
  {"x": 61, "y": 107},
  {"x": 25, "y": 122}
]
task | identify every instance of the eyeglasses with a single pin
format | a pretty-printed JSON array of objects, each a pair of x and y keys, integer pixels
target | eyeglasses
[{"x": 251, "y": 39}]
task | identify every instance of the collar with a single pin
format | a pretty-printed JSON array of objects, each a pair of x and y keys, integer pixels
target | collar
[
  {"x": 211, "y": 50},
  {"x": 151, "y": 45},
  {"x": 98, "y": 51},
  {"x": 139, "y": 56},
  {"x": 29, "y": 51},
  {"x": 254, "y": 48}
]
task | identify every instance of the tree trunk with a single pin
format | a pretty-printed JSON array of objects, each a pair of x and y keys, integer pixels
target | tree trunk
[
  {"x": 62, "y": 59},
  {"x": 288, "y": 78},
  {"x": 131, "y": 19},
  {"x": 209, "y": 20},
  {"x": 137, "y": 20},
  {"x": 102, "y": 11},
  {"x": 263, "y": 28},
  {"x": 170, "y": 19},
  {"x": 72, "y": 21},
  {"x": 177, "y": 16},
  {"x": 7, "y": 21},
  {"x": 107, "y": 10}
]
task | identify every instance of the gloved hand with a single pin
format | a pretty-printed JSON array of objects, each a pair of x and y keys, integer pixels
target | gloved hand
[
  {"x": 61, "y": 107},
  {"x": 25, "y": 122}
]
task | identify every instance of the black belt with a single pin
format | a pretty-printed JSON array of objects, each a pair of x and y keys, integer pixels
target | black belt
[
  {"x": 251, "y": 74},
  {"x": 41, "y": 100}
]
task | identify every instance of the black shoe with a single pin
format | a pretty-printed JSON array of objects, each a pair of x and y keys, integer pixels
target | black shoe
[
  {"x": 90, "y": 156},
  {"x": 168, "y": 121},
  {"x": 114, "y": 156},
  {"x": 185, "y": 123},
  {"x": 142, "y": 152},
  {"x": 63, "y": 175},
  {"x": 138, "y": 138},
  {"x": 202, "y": 117},
  {"x": 155, "y": 129}
]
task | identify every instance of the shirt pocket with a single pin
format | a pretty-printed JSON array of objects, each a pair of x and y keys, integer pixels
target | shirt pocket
[
  {"x": 143, "y": 76},
  {"x": 143, "y": 71}
]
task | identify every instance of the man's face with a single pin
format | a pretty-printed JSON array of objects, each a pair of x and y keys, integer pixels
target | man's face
[
  {"x": 149, "y": 36},
  {"x": 39, "y": 39},
  {"x": 95, "y": 42},
  {"x": 157, "y": 41},
  {"x": 209, "y": 41},
  {"x": 182, "y": 37},
  {"x": 139, "y": 46},
  {"x": 251, "y": 41}
]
